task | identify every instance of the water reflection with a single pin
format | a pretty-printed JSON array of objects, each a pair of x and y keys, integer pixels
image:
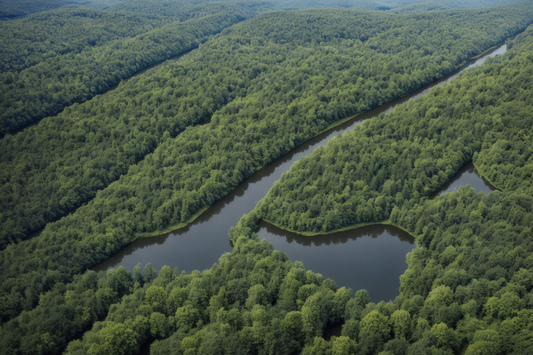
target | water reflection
[
  {"x": 201, "y": 243},
  {"x": 467, "y": 175},
  {"x": 370, "y": 257}
]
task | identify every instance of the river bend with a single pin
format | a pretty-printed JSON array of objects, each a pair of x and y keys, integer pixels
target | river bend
[{"x": 199, "y": 245}]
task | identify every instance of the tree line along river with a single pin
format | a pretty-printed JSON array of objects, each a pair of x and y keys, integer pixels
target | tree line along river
[{"x": 370, "y": 257}]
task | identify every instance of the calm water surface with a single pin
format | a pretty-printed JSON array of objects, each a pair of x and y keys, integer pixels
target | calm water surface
[
  {"x": 467, "y": 175},
  {"x": 362, "y": 258},
  {"x": 370, "y": 257}
]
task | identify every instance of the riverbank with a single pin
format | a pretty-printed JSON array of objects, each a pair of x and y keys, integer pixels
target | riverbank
[
  {"x": 196, "y": 236},
  {"x": 344, "y": 229}
]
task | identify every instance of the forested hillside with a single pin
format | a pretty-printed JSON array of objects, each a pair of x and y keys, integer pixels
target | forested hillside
[
  {"x": 278, "y": 94},
  {"x": 10, "y": 9},
  {"x": 32, "y": 40},
  {"x": 293, "y": 86},
  {"x": 163, "y": 146},
  {"x": 60, "y": 80},
  {"x": 17, "y": 8},
  {"x": 419, "y": 7}
]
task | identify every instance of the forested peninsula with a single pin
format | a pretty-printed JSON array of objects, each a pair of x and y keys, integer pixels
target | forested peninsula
[
  {"x": 160, "y": 148},
  {"x": 306, "y": 78}
]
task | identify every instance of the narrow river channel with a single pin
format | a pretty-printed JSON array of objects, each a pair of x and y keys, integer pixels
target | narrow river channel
[{"x": 199, "y": 245}]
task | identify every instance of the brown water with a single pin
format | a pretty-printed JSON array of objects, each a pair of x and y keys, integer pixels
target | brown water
[{"x": 352, "y": 255}]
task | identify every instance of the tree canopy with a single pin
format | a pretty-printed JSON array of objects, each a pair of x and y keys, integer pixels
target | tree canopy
[{"x": 162, "y": 146}]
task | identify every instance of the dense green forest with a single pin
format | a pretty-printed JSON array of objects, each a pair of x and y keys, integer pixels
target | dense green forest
[
  {"x": 32, "y": 40},
  {"x": 166, "y": 144},
  {"x": 399, "y": 158},
  {"x": 419, "y": 7},
  {"x": 62, "y": 79},
  {"x": 17, "y": 8},
  {"x": 268, "y": 95},
  {"x": 469, "y": 281}
]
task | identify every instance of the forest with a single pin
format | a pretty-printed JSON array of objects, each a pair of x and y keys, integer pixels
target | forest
[
  {"x": 405, "y": 156},
  {"x": 93, "y": 62},
  {"x": 168, "y": 177},
  {"x": 20, "y": 8},
  {"x": 157, "y": 150},
  {"x": 222, "y": 82}
]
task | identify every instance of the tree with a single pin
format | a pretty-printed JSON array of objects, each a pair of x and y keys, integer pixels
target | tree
[
  {"x": 400, "y": 322},
  {"x": 158, "y": 325},
  {"x": 375, "y": 331},
  {"x": 485, "y": 342},
  {"x": 257, "y": 294},
  {"x": 186, "y": 317},
  {"x": 343, "y": 346}
]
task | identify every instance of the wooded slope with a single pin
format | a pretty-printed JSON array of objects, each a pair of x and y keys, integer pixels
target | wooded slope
[{"x": 316, "y": 68}]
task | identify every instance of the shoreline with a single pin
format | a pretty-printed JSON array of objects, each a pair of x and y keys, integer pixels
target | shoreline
[
  {"x": 331, "y": 126},
  {"x": 343, "y": 229},
  {"x": 175, "y": 227},
  {"x": 482, "y": 174}
]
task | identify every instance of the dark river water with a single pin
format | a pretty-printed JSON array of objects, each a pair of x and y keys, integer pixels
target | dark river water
[
  {"x": 467, "y": 175},
  {"x": 371, "y": 257}
]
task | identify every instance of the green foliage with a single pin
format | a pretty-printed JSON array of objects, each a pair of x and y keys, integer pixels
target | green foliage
[
  {"x": 59, "y": 81},
  {"x": 419, "y": 7},
  {"x": 400, "y": 322},
  {"x": 263, "y": 98},
  {"x": 69, "y": 157},
  {"x": 222, "y": 310},
  {"x": 183, "y": 10},
  {"x": 397, "y": 159},
  {"x": 16, "y": 8},
  {"x": 485, "y": 342},
  {"x": 63, "y": 312},
  {"x": 242, "y": 320},
  {"x": 468, "y": 281},
  {"x": 10, "y": 9},
  {"x": 49, "y": 35}
]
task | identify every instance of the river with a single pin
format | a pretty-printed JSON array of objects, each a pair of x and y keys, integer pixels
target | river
[
  {"x": 370, "y": 257},
  {"x": 199, "y": 245}
]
